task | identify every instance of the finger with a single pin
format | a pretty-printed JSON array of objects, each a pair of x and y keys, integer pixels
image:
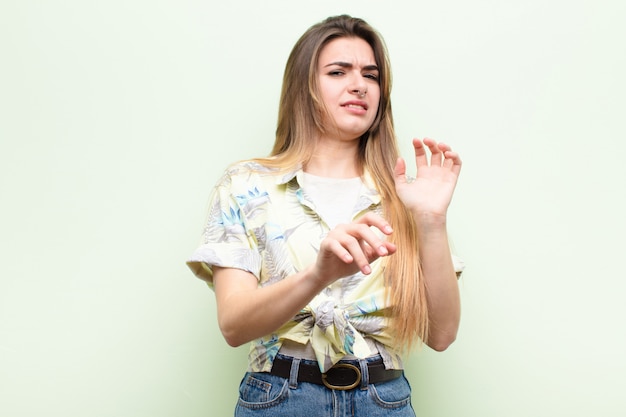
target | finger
[
  {"x": 370, "y": 253},
  {"x": 453, "y": 161},
  {"x": 336, "y": 248},
  {"x": 359, "y": 253},
  {"x": 445, "y": 149},
  {"x": 372, "y": 219},
  {"x": 436, "y": 157},
  {"x": 391, "y": 248},
  {"x": 363, "y": 233},
  {"x": 421, "y": 159},
  {"x": 399, "y": 171}
]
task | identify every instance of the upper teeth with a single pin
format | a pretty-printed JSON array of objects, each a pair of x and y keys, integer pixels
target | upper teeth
[{"x": 355, "y": 105}]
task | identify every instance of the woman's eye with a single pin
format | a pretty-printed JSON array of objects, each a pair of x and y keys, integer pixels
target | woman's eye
[
  {"x": 335, "y": 73},
  {"x": 372, "y": 76}
]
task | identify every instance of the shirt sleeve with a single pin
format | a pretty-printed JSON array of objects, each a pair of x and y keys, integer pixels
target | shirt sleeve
[
  {"x": 226, "y": 239},
  {"x": 459, "y": 265}
]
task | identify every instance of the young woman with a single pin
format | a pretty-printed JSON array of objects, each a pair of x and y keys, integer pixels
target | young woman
[{"x": 325, "y": 255}]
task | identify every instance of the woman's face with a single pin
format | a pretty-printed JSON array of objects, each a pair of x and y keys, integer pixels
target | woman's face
[{"x": 348, "y": 84}]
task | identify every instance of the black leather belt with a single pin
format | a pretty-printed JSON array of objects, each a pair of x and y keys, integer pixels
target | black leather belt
[{"x": 344, "y": 375}]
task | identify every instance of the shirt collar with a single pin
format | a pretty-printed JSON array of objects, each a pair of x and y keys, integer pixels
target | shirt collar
[
  {"x": 369, "y": 190},
  {"x": 287, "y": 176}
]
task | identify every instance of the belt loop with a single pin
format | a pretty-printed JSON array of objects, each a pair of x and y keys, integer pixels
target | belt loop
[
  {"x": 293, "y": 374},
  {"x": 365, "y": 376}
]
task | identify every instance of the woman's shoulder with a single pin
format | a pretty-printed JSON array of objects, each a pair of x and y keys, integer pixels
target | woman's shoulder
[
  {"x": 251, "y": 167},
  {"x": 248, "y": 174},
  {"x": 263, "y": 169}
]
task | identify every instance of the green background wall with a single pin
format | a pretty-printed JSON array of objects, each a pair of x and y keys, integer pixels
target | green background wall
[{"x": 117, "y": 117}]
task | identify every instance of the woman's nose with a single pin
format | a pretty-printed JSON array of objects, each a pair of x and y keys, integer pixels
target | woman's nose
[{"x": 359, "y": 90}]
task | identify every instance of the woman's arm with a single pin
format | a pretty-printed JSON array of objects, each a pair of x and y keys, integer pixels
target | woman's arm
[
  {"x": 442, "y": 290},
  {"x": 428, "y": 198},
  {"x": 247, "y": 311}
]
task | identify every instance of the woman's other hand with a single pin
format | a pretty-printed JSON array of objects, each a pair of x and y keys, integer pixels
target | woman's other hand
[{"x": 431, "y": 192}]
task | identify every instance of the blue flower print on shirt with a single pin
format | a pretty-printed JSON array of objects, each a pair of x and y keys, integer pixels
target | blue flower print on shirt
[
  {"x": 232, "y": 221},
  {"x": 251, "y": 201}
]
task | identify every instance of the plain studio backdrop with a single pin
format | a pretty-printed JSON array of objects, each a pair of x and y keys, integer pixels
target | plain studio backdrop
[{"x": 116, "y": 119}]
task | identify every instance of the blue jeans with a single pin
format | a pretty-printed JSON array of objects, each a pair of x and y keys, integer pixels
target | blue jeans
[{"x": 263, "y": 395}]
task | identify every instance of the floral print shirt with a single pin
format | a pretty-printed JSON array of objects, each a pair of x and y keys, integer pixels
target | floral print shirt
[{"x": 262, "y": 221}]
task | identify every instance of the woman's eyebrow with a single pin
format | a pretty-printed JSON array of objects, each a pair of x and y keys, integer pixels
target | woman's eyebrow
[{"x": 349, "y": 65}]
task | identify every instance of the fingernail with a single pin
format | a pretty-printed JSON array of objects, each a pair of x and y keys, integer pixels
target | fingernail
[
  {"x": 382, "y": 250},
  {"x": 367, "y": 270}
]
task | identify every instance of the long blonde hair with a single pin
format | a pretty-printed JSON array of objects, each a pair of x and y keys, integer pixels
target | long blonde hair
[{"x": 300, "y": 117}]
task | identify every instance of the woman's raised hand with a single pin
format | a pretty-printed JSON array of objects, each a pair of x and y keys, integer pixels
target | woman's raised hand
[
  {"x": 431, "y": 192},
  {"x": 351, "y": 247}
]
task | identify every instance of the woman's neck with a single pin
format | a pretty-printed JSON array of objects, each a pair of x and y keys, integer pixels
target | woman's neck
[{"x": 334, "y": 159}]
